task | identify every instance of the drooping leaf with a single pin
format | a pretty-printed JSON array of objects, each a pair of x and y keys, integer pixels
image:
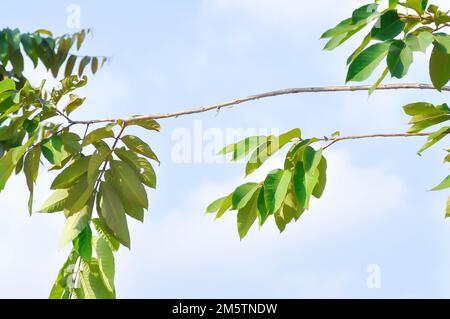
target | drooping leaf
[
  {"x": 106, "y": 263},
  {"x": 92, "y": 282},
  {"x": 112, "y": 213},
  {"x": 439, "y": 68},
  {"x": 76, "y": 224},
  {"x": 127, "y": 183},
  {"x": 275, "y": 189},
  {"x": 247, "y": 215}
]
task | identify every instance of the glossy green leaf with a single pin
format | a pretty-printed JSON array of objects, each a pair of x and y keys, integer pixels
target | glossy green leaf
[
  {"x": 275, "y": 189},
  {"x": 439, "y": 68},
  {"x": 243, "y": 194},
  {"x": 247, "y": 216},
  {"x": 367, "y": 61},
  {"x": 388, "y": 27},
  {"x": 83, "y": 244}
]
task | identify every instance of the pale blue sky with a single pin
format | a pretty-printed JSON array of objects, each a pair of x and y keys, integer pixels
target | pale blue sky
[{"x": 171, "y": 55}]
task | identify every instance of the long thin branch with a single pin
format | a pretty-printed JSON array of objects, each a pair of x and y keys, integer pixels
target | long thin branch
[
  {"x": 235, "y": 102},
  {"x": 360, "y": 137}
]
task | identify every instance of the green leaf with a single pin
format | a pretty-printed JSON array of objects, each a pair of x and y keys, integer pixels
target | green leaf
[
  {"x": 244, "y": 147},
  {"x": 434, "y": 138},
  {"x": 92, "y": 282},
  {"x": 388, "y": 26},
  {"x": 74, "y": 103},
  {"x": 268, "y": 149},
  {"x": 94, "y": 65},
  {"x": 419, "y": 42},
  {"x": 418, "y": 5},
  {"x": 137, "y": 145},
  {"x": 364, "y": 12},
  {"x": 31, "y": 170},
  {"x": 215, "y": 206},
  {"x": 243, "y": 194},
  {"x": 306, "y": 176},
  {"x": 8, "y": 162},
  {"x": 106, "y": 263},
  {"x": 56, "y": 202},
  {"x": 76, "y": 224},
  {"x": 7, "y": 85},
  {"x": 439, "y": 68},
  {"x": 112, "y": 213},
  {"x": 443, "y": 185},
  {"x": 79, "y": 195},
  {"x": 69, "y": 176},
  {"x": 70, "y": 65},
  {"x": 399, "y": 59},
  {"x": 71, "y": 142},
  {"x": 97, "y": 135},
  {"x": 64, "y": 281},
  {"x": 105, "y": 233},
  {"x": 96, "y": 160},
  {"x": 83, "y": 243},
  {"x": 226, "y": 204},
  {"x": 140, "y": 165},
  {"x": 447, "y": 211},
  {"x": 442, "y": 42},
  {"x": 275, "y": 189},
  {"x": 53, "y": 150},
  {"x": 247, "y": 216},
  {"x": 127, "y": 183},
  {"x": 83, "y": 63},
  {"x": 367, "y": 61},
  {"x": 359, "y": 49},
  {"x": 148, "y": 124},
  {"x": 320, "y": 187}
]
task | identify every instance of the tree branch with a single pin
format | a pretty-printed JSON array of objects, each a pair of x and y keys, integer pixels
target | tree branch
[
  {"x": 235, "y": 102},
  {"x": 360, "y": 137}
]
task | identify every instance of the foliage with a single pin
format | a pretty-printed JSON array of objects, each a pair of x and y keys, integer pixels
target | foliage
[
  {"x": 394, "y": 35},
  {"x": 103, "y": 176}
]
